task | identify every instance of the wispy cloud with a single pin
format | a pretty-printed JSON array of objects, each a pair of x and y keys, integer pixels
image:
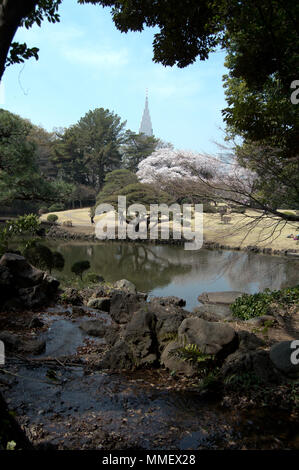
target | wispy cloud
[{"x": 102, "y": 58}]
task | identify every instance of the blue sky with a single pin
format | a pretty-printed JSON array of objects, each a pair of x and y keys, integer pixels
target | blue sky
[{"x": 86, "y": 63}]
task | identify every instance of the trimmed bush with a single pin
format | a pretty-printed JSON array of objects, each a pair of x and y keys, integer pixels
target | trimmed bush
[
  {"x": 56, "y": 207},
  {"x": 79, "y": 267},
  {"x": 52, "y": 218}
]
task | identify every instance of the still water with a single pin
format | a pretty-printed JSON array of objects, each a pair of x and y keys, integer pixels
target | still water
[{"x": 170, "y": 270}]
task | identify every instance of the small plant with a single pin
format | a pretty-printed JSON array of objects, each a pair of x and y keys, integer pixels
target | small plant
[
  {"x": 52, "y": 218},
  {"x": 191, "y": 353},
  {"x": 243, "y": 381},
  {"x": 79, "y": 267},
  {"x": 11, "y": 445},
  {"x": 251, "y": 306},
  {"x": 94, "y": 278}
]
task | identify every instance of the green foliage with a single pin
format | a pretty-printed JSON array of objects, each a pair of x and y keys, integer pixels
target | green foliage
[
  {"x": 250, "y": 306},
  {"x": 191, "y": 353},
  {"x": 42, "y": 257},
  {"x": 23, "y": 225},
  {"x": 20, "y": 177},
  {"x": 243, "y": 381},
  {"x": 93, "y": 278},
  {"x": 52, "y": 218},
  {"x": 11, "y": 445},
  {"x": 56, "y": 207},
  {"x": 79, "y": 267},
  {"x": 90, "y": 149},
  {"x": 136, "y": 148},
  {"x": 125, "y": 183}
]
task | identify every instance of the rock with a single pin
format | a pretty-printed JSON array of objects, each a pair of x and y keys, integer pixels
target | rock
[
  {"x": 210, "y": 337},
  {"x": 213, "y": 312},
  {"x": 141, "y": 339},
  {"x": 118, "y": 357},
  {"x": 101, "y": 303},
  {"x": 72, "y": 296},
  {"x": 225, "y": 298},
  {"x": 167, "y": 323},
  {"x": 94, "y": 328},
  {"x": 112, "y": 334},
  {"x": 78, "y": 311},
  {"x": 41, "y": 294},
  {"x": 255, "y": 362},
  {"x": 281, "y": 354},
  {"x": 28, "y": 287},
  {"x": 123, "y": 305},
  {"x": 175, "y": 364},
  {"x": 166, "y": 301},
  {"x": 14, "y": 343},
  {"x": 249, "y": 341},
  {"x": 124, "y": 284},
  {"x": 23, "y": 274}
]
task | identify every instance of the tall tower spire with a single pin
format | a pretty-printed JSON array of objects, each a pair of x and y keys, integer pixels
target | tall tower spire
[{"x": 146, "y": 123}]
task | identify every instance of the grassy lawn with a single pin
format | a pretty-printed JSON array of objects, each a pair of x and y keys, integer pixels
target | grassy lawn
[{"x": 242, "y": 230}]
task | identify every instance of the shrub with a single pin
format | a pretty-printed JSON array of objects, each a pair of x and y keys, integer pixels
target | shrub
[
  {"x": 52, "y": 218},
  {"x": 67, "y": 223},
  {"x": 56, "y": 207},
  {"x": 209, "y": 209},
  {"x": 94, "y": 278},
  {"x": 38, "y": 255},
  {"x": 251, "y": 306},
  {"x": 42, "y": 257},
  {"x": 79, "y": 267},
  {"x": 58, "y": 261}
]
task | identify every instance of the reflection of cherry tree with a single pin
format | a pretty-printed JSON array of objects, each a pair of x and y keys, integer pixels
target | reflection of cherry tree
[{"x": 144, "y": 262}]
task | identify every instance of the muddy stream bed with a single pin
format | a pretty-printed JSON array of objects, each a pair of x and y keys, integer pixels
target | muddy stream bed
[{"x": 63, "y": 403}]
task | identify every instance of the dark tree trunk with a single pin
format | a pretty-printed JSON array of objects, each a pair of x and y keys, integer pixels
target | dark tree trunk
[{"x": 11, "y": 14}]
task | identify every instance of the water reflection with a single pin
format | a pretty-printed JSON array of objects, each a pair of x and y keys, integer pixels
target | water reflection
[{"x": 170, "y": 270}]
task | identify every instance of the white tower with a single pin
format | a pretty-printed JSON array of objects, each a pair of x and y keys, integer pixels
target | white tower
[{"x": 146, "y": 123}]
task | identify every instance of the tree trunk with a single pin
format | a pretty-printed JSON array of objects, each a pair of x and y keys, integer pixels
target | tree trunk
[{"x": 11, "y": 14}]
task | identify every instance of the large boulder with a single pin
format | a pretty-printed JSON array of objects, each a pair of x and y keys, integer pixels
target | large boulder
[
  {"x": 168, "y": 321},
  {"x": 123, "y": 305},
  {"x": 175, "y": 364},
  {"x": 118, "y": 357},
  {"x": 147, "y": 333},
  {"x": 213, "y": 312},
  {"x": 255, "y": 362},
  {"x": 225, "y": 298},
  {"x": 23, "y": 274},
  {"x": 124, "y": 284},
  {"x": 211, "y": 337},
  {"x": 141, "y": 339},
  {"x": 285, "y": 357},
  {"x": 25, "y": 286}
]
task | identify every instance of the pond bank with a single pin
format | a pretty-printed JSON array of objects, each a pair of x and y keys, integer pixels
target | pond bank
[{"x": 87, "y": 234}]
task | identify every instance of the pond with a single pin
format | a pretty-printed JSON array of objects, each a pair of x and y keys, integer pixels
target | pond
[{"x": 164, "y": 270}]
